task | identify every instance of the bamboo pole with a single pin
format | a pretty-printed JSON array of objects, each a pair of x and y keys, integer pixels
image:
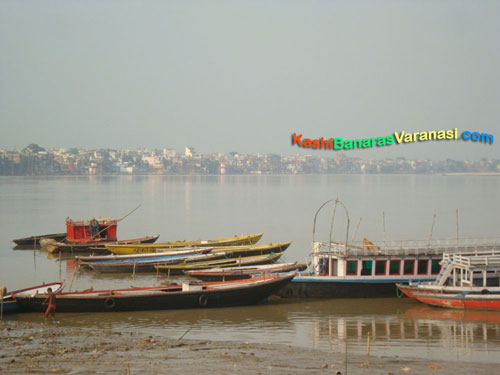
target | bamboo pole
[
  {"x": 331, "y": 222},
  {"x": 345, "y": 351},
  {"x": 133, "y": 272},
  {"x": 430, "y": 235},
  {"x": 60, "y": 265},
  {"x": 185, "y": 333},
  {"x": 2, "y": 292},
  {"x": 368, "y": 345},
  {"x": 75, "y": 270},
  {"x": 316, "y": 215},
  {"x": 383, "y": 228},
  {"x": 356, "y": 230}
]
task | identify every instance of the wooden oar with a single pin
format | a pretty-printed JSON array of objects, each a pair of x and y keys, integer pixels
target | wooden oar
[{"x": 102, "y": 230}]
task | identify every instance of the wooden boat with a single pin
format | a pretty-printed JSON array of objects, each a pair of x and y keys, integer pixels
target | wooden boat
[
  {"x": 220, "y": 294},
  {"x": 251, "y": 250},
  {"x": 10, "y": 302},
  {"x": 85, "y": 235},
  {"x": 148, "y": 264},
  {"x": 95, "y": 246},
  {"x": 140, "y": 257},
  {"x": 179, "y": 268},
  {"x": 34, "y": 241},
  {"x": 466, "y": 281},
  {"x": 120, "y": 249},
  {"x": 245, "y": 272}
]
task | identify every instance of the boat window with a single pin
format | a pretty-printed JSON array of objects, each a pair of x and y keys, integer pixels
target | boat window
[
  {"x": 394, "y": 267},
  {"x": 324, "y": 266},
  {"x": 422, "y": 267},
  {"x": 352, "y": 267},
  {"x": 435, "y": 267},
  {"x": 409, "y": 267},
  {"x": 367, "y": 267},
  {"x": 380, "y": 267}
]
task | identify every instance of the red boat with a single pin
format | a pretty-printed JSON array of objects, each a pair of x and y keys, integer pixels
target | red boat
[
  {"x": 92, "y": 235},
  {"x": 461, "y": 300},
  {"x": 466, "y": 281}
]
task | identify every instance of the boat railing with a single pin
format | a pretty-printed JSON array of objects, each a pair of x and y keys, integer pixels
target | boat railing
[
  {"x": 477, "y": 259},
  {"x": 408, "y": 247}
]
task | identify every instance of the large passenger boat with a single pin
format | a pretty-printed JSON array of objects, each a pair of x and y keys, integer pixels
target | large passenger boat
[{"x": 365, "y": 269}]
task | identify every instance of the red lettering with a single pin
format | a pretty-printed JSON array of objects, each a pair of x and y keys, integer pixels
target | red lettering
[
  {"x": 296, "y": 139},
  {"x": 324, "y": 143}
]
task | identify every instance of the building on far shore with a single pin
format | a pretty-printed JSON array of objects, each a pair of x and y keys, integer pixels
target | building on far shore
[{"x": 190, "y": 151}]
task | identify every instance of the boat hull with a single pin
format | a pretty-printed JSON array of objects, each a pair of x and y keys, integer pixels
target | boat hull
[
  {"x": 460, "y": 301},
  {"x": 34, "y": 241},
  {"x": 10, "y": 304},
  {"x": 241, "y": 273},
  {"x": 162, "y": 246},
  {"x": 98, "y": 247},
  {"x": 317, "y": 287},
  {"x": 178, "y": 269},
  {"x": 248, "y": 294}
]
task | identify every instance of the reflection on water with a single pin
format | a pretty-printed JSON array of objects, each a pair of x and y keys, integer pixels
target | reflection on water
[
  {"x": 197, "y": 207},
  {"x": 397, "y": 327}
]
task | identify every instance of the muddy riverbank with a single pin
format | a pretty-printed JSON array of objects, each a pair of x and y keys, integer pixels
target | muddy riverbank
[{"x": 30, "y": 347}]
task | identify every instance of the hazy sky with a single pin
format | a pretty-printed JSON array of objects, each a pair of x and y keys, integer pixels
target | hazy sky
[{"x": 244, "y": 75}]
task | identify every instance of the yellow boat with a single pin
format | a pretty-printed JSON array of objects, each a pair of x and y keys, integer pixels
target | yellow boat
[
  {"x": 163, "y": 246},
  {"x": 219, "y": 263},
  {"x": 250, "y": 250}
]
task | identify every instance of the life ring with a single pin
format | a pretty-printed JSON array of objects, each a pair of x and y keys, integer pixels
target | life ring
[
  {"x": 109, "y": 303},
  {"x": 203, "y": 300}
]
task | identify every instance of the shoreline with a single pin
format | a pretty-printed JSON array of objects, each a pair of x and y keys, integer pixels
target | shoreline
[{"x": 29, "y": 347}]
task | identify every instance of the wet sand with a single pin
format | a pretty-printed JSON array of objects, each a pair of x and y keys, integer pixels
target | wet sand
[{"x": 39, "y": 348}]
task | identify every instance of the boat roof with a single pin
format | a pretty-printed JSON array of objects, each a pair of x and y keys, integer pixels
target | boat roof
[{"x": 408, "y": 247}]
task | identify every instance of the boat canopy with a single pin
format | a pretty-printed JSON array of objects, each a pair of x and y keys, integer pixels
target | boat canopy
[{"x": 86, "y": 230}]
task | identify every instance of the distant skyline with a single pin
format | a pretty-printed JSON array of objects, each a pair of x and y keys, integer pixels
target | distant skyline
[{"x": 245, "y": 75}]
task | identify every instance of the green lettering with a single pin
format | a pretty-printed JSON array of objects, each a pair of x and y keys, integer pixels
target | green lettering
[{"x": 338, "y": 144}]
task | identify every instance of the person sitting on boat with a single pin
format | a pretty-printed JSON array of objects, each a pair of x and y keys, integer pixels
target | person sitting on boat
[
  {"x": 94, "y": 227},
  {"x": 369, "y": 245},
  {"x": 51, "y": 301}
]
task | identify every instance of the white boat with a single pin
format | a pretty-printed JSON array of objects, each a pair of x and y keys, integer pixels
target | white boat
[{"x": 367, "y": 269}]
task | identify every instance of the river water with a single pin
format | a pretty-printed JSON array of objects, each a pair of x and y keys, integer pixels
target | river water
[{"x": 282, "y": 207}]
